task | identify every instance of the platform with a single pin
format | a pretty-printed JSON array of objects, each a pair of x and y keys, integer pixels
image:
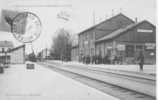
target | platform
[
  {"x": 19, "y": 83},
  {"x": 148, "y": 69}
]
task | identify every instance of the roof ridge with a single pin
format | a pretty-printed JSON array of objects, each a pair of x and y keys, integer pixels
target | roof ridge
[
  {"x": 105, "y": 21},
  {"x": 121, "y": 30},
  {"x": 13, "y": 49}
]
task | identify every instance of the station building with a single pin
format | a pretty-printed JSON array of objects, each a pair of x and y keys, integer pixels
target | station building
[
  {"x": 118, "y": 36},
  {"x": 126, "y": 43},
  {"x": 88, "y": 37},
  {"x": 10, "y": 54}
]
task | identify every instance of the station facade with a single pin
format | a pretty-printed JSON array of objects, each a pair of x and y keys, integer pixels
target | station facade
[
  {"x": 75, "y": 53},
  {"x": 120, "y": 37},
  {"x": 127, "y": 43}
]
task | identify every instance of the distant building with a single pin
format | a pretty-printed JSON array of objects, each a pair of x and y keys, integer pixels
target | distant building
[
  {"x": 11, "y": 54},
  {"x": 118, "y": 36},
  {"x": 5, "y": 46},
  {"x": 17, "y": 55},
  {"x": 44, "y": 54}
]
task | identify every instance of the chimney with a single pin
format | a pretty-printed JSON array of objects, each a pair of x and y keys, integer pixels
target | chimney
[{"x": 136, "y": 20}]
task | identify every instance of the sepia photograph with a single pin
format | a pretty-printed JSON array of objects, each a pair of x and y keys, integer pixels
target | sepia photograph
[{"x": 78, "y": 50}]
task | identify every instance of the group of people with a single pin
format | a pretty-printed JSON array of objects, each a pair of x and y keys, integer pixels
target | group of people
[
  {"x": 102, "y": 60},
  {"x": 108, "y": 60}
]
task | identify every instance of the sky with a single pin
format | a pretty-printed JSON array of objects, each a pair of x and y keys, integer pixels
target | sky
[{"x": 80, "y": 14}]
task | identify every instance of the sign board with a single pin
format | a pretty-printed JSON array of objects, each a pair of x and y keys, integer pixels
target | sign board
[
  {"x": 30, "y": 66},
  {"x": 120, "y": 47},
  {"x": 150, "y": 45},
  {"x": 145, "y": 30}
]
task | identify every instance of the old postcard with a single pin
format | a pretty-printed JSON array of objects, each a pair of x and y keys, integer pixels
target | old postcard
[{"x": 77, "y": 49}]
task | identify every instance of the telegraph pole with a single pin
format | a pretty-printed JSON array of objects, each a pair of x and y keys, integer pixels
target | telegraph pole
[
  {"x": 93, "y": 17},
  {"x": 112, "y": 12}
]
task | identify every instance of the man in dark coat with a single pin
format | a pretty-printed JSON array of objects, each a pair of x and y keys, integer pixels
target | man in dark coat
[{"x": 141, "y": 60}]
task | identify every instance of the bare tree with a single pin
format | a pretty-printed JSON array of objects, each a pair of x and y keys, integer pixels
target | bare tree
[{"x": 61, "y": 47}]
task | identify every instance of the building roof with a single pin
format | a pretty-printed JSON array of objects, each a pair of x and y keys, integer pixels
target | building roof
[
  {"x": 120, "y": 31},
  {"x": 120, "y": 14},
  {"x": 8, "y": 44}
]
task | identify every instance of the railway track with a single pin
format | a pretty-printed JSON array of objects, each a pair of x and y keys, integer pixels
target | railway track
[
  {"x": 118, "y": 91},
  {"x": 148, "y": 79}
]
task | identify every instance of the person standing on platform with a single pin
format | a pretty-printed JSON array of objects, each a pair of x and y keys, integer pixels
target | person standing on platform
[{"x": 141, "y": 61}]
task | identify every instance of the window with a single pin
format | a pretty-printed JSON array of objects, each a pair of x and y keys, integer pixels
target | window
[
  {"x": 129, "y": 50},
  {"x": 139, "y": 47},
  {"x": 92, "y": 51},
  {"x": 8, "y": 49},
  {"x": 2, "y": 49}
]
